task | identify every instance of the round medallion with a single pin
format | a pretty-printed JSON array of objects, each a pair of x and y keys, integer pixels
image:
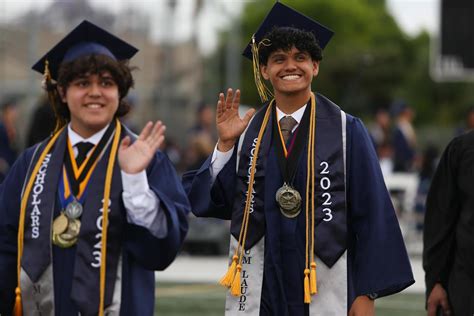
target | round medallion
[
  {"x": 289, "y": 201},
  {"x": 73, "y": 210},
  {"x": 60, "y": 224}
]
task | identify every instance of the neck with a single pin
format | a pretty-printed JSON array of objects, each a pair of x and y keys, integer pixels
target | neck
[{"x": 289, "y": 103}]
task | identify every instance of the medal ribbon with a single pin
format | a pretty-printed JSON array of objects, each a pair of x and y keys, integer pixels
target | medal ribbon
[
  {"x": 77, "y": 174},
  {"x": 288, "y": 160}
]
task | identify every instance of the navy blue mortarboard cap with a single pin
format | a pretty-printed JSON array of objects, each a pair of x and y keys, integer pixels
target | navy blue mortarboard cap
[
  {"x": 86, "y": 39},
  {"x": 283, "y": 16}
]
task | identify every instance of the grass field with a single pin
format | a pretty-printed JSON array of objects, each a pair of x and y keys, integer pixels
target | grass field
[{"x": 208, "y": 300}]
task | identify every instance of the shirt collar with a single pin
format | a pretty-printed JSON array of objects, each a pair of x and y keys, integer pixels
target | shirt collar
[
  {"x": 75, "y": 138},
  {"x": 297, "y": 115}
]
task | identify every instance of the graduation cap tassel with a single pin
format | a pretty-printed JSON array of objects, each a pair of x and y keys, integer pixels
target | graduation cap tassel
[
  {"x": 52, "y": 96},
  {"x": 228, "y": 278},
  {"x": 18, "y": 309},
  {"x": 262, "y": 89}
]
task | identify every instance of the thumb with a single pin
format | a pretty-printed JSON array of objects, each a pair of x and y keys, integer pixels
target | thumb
[
  {"x": 248, "y": 115},
  {"x": 125, "y": 143}
]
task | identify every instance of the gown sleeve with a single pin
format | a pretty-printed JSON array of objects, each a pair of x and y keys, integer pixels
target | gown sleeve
[
  {"x": 212, "y": 199},
  {"x": 157, "y": 253},
  {"x": 442, "y": 212},
  {"x": 378, "y": 259}
]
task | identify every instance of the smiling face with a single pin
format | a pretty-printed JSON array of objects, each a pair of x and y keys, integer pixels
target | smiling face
[
  {"x": 290, "y": 72},
  {"x": 92, "y": 101}
]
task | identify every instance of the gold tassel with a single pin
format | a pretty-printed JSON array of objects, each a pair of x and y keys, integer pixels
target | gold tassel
[
  {"x": 262, "y": 89},
  {"x": 18, "y": 309},
  {"x": 60, "y": 121},
  {"x": 307, "y": 295},
  {"x": 314, "y": 285},
  {"x": 229, "y": 276},
  {"x": 235, "y": 289}
]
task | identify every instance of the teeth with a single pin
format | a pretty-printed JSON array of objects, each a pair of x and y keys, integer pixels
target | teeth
[
  {"x": 291, "y": 77},
  {"x": 94, "y": 106}
]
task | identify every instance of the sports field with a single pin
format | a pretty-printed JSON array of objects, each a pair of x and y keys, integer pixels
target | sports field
[{"x": 208, "y": 299}]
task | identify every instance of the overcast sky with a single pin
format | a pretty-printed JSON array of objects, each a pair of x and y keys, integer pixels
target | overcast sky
[{"x": 411, "y": 15}]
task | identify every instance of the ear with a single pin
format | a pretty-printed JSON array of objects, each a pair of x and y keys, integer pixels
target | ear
[
  {"x": 263, "y": 71},
  {"x": 315, "y": 68},
  {"x": 62, "y": 94}
]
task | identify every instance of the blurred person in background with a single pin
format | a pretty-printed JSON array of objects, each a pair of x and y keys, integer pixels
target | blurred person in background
[
  {"x": 42, "y": 122},
  {"x": 8, "y": 151},
  {"x": 87, "y": 215},
  {"x": 448, "y": 251},
  {"x": 380, "y": 133},
  {"x": 429, "y": 161},
  {"x": 291, "y": 252},
  {"x": 404, "y": 137}
]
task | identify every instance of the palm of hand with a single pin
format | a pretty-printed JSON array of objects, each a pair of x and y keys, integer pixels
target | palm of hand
[
  {"x": 229, "y": 124},
  {"x": 134, "y": 158}
]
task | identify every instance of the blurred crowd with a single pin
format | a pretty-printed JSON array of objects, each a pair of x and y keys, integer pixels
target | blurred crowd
[{"x": 392, "y": 132}]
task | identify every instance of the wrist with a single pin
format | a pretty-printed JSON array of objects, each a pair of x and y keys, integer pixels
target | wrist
[{"x": 225, "y": 145}]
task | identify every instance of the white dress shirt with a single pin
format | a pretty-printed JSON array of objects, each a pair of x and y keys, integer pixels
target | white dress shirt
[
  {"x": 141, "y": 203},
  {"x": 219, "y": 158}
]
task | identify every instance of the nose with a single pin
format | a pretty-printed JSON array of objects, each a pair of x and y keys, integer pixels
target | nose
[
  {"x": 290, "y": 64},
  {"x": 95, "y": 90}
]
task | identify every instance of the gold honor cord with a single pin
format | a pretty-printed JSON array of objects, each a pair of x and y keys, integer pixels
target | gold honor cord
[
  {"x": 232, "y": 277},
  {"x": 310, "y": 286},
  {"x": 313, "y": 278},
  {"x": 18, "y": 310},
  {"x": 262, "y": 89},
  {"x": 105, "y": 208}
]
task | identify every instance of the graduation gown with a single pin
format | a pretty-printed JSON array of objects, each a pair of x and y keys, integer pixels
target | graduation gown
[
  {"x": 377, "y": 262},
  {"x": 141, "y": 252},
  {"x": 448, "y": 256}
]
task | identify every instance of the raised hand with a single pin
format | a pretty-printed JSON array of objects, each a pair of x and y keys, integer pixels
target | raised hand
[
  {"x": 134, "y": 158},
  {"x": 229, "y": 124}
]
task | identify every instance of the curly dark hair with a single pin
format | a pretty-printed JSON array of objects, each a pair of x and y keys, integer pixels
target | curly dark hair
[
  {"x": 96, "y": 64},
  {"x": 285, "y": 38}
]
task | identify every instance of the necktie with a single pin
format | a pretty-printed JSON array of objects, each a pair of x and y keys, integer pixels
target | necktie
[
  {"x": 82, "y": 150},
  {"x": 287, "y": 123}
]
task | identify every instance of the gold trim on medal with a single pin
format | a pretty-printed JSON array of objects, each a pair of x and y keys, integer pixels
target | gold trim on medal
[{"x": 289, "y": 201}]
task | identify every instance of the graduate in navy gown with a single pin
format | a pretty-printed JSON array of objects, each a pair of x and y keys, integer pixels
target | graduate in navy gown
[
  {"x": 313, "y": 230},
  {"x": 87, "y": 215}
]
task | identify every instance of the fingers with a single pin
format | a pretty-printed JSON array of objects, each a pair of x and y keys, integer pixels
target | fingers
[
  {"x": 220, "y": 105},
  {"x": 156, "y": 137},
  {"x": 445, "y": 306},
  {"x": 236, "y": 101},
  {"x": 146, "y": 131},
  {"x": 229, "y": 99}
]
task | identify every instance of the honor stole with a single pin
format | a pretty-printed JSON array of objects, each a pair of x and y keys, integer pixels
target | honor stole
[{"x": 330, "y": 209}]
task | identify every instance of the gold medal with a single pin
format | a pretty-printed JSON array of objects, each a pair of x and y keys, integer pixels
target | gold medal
[
  {"x": 72, "y": 231},
  {"x": 289, "y": 201},
  {"x": 60, "y": 224},
  {"x": 62, "y": 243}
]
